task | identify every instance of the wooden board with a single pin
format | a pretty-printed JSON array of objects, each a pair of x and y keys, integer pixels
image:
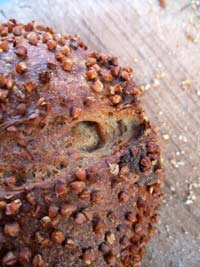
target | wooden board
[{"x": 163, "y": 47}]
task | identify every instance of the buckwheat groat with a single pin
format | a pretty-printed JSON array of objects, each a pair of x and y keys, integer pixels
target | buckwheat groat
[{"x": 80, "y": 171}]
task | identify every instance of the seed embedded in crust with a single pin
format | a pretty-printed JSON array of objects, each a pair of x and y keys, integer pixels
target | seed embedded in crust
[
  {"x": 3, "y": 81},
  {"x": 110, "y": 258},
  {"x": 96, "y": 197},
  {"x": 96, "y": 67},
  {"x": 116, "y": 89},
  {"x": 75, "y": 112},
  {"x": 25, "y": 256},
  {"x": 61, "y": 40},
  {"x": 67, "y": 64},
  {"x": 21, "y": 51},
  {"x": 113, "y": 169},
  {"x": 30, "y": 198},
  {"x": 111, "y": 216},
  {"x": 51, "y": 44},
  {"x": 30, "y": 86},
  {"x": 88, "y": 214},
  {"x": 36, "y": 210},
  {"x": 77, "y": 186},
  {"x": 89, "y": 100},
  {"x": 152, "y": 231},
  {"x": 10, "y": 84},
  {"x": 11, "y": 129},
  {"x": 58, "y": 237},
  {"x": 138, "y": 228},
  {"x": 107, "y": 76},
  {"x": 131, "y": 217},
  {"x": 90, "y": 62},
  {"x": 4, "y": 46},
  {"x": 46, "y": 221},
  {"x": 38, "y": 238},
  {"x": 41, "y": 102},
  {"x": 9, "y": 259},
  {"x": 123, "y": 197},
  {"x": 104, "y": 59},
  {"x": 127, "y": 69},
  {"x": 21, "y": 109},
  {"x": 81, "y": 174},
  {"x": 33, "y": 38},
  {"x": 17, "y": 31},
  {"x": 146, "y": 164},
  {"x": 29, "y": 26},
  {"x": 2, "y": 204},
  {"x": 44, "y": 77},
  {"x": 91, "y": 74},
  {"x": 3, "y": 94},
  {"x": 124, "y": 240},
  {"x": 55, "y": 221},
  {"x": 60, "y": 188},
  {"x": 104, "y": 248},
  {"x": 155, "y": 218},
  {"x": 99, "y": 227},
  {"x": 51, "y": 65},
  {"x": 84, "y": 195},
  {"x": 12, "y": 229},
  {"x": 59, "y": 57},
  {"x": 38, "y": 261},
  {"x": 89, "y": 256},
  {"x": 74, "y": 45},
  {"x": 46, "y": 37},
  {"x": 97, "y": 87},
  {"x": 110, "y": 237},
  {"x": 67, "y": 210},
  {"x": 114, "y": 61},
  {"x": 3, "y": 30},
  {"x": 53, "y": 211},
  {"x": 115, "y": 71},
  {"x": 70, "y": 244},
  {"x": 21, "y": 67},
  {"x": 124, "y": 172},
  {"x": 80, "y": 218},
  {"x": 65, "y": 50},
  {"x": 13, "y": 207},
  {"x": 116, "y": 99},
  {"x": 125, "y": 75}
]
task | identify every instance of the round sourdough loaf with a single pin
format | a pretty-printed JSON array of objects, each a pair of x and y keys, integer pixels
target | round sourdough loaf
[{"x": 80, "y": 170}]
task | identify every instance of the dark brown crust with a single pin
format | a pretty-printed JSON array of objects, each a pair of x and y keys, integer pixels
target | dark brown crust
[{"x": 80, "y": 171}]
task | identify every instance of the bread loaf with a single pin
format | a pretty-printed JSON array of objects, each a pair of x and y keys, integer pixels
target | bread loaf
[{"x": 80, "y": 168}]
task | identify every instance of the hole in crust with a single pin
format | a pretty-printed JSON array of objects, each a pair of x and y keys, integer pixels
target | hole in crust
[{"x": 87, "y": 136}]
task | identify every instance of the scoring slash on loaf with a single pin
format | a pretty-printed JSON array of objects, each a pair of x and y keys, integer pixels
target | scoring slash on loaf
[{"x": 80, "y": 168}]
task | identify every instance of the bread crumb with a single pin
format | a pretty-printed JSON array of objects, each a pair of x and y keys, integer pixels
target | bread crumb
[
  {"x": 185, "y": 83},
  {"x": 172, "y": 188},
  {"x": 165, "y": 137},
  {"x": 163, "y": 3},
  {"x": 183, "y": 138},
  {"x": 191, "y": 197},
  {"x": 155, "y": 83}
]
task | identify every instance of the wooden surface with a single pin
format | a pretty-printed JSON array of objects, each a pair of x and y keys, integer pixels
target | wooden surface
[{"x": 163, "y": 47}]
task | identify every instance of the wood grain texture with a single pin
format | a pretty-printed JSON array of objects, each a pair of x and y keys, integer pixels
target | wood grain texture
[{"x": 155, "y": 42}]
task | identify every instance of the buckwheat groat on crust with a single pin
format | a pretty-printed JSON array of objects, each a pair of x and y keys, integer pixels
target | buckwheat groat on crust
[{"x": 80, "y": 172}]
